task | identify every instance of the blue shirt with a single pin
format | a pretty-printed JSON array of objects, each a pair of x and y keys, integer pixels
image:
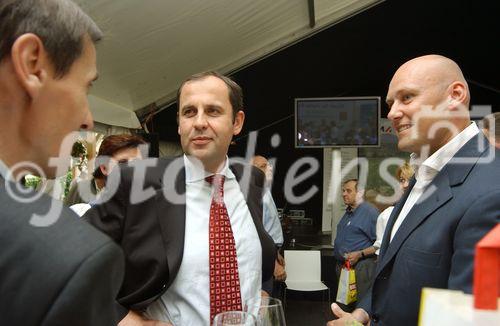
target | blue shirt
[
  {"x": 356, "y": 230},
  {"x": 271, "y": 220}
]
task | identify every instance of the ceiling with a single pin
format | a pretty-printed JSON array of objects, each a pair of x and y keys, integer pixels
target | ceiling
[{"x": 150, "y": 46}]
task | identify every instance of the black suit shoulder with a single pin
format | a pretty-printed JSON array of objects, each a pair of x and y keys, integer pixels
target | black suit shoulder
[{"x": 63, "y": 273}]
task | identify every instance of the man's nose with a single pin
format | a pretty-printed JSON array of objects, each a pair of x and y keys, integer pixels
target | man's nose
[
  {"x": 88, "y": 122},
  {"x": 200, "y": 121},
  {"x": 395, "y": 112}
]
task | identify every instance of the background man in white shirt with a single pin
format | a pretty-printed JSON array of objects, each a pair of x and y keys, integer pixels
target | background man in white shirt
[
  {"x": 272, "y": 223},
  {"x": 451, "y": 204},
  {"x": 168, "y": 271}
]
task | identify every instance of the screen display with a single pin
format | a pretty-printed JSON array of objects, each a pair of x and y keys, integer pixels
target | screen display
[{"x": 337, "y": 122}]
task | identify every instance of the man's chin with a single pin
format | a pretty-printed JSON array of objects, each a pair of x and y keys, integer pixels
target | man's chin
[
  {"x": 52, "y": 173},
  {"x": 199, "y": 154},
  {"x": 57, "y": 166},
  {"x": 405, "y": 146}
]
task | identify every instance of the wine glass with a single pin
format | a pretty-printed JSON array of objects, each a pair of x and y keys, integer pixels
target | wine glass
[
  {"x": 269, "y": 311},
  {"x": 235, "y": 318}
]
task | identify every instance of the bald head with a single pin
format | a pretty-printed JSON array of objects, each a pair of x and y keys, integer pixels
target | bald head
[
  {"x": 262, "y": 164},
  {"x": 428, "y": 99},
  {"x": 433, "y": 70}
]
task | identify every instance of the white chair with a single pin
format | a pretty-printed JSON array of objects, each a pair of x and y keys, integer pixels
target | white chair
[{"x": 303, "y": 271}]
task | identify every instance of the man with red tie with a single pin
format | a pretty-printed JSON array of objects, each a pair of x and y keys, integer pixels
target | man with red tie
[{"x": 208, "y": 252}]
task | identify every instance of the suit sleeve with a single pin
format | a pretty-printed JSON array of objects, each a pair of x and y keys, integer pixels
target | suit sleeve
[
  {"x": 88, "y": 296},
  {"x": 109, "y": 215},
  {"x": 366, "y": 301},
  {"x": 482, "y": 216}
]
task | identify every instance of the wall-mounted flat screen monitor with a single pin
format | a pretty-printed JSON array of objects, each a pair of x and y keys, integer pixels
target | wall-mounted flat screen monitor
[{"x": 337, "y": 122}]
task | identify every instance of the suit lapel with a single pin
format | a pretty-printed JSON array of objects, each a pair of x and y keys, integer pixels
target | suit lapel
[
  {"x": 250, "y": 191},
  {"x": 172, "y": 216},
  {"x": 453, "y": 174},
  {"x": 392, "y": 219},
  {"x": 436, "y": 195},
  {"x": 172, "y": 219},
  {"x": 252, "y": 187}
]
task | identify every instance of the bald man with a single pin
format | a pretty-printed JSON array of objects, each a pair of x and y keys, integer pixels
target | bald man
[
  {"x": 272, "y": 225},
  {"x": 271, "y": 220},
  {"x": 451, "y": 203},
  {"x": 491, "y": 128}
]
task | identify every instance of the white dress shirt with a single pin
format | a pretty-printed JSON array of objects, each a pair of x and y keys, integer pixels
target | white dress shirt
[
  {"x": 4, "y": 171},
  {"x": 381, "y": 224},
  {"x": 271, "y": 220},
  {"x": 425, "y": 172},
  {"x": 187, "y": 301}
]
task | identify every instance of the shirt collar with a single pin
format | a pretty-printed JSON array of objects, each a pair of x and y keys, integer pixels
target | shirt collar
[
  {"x": 350, "y": 210},
  {"x": 195, "y": 171},
  {"x": 435, "y": 163},
  {"x": 4, "y": 170}
]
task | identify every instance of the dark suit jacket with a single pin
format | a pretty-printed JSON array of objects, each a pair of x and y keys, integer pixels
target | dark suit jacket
[
  {"x": 67, "y": 273},
  {"x": 74, "y": 197},
  {"x": 434, "y": 247},
  {"x": 151, "y": 232}
]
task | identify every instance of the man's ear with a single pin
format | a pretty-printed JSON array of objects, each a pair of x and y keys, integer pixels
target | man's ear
[
  {"x": 239, "y": 119},
  {"x": 459, "y": 95},
  {"x": 30, "y": 62},
  {"x": 104, "y": 169}
]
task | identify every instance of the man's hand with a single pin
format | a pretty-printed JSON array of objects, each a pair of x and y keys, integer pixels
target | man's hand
[
  {"x": 279, "y": 271},
  {"x": 358, "y": 317},
  {"x": 353, "y": 257},
  {"x": 135, "y": 319},
  {"x": 280, "y": 259}
]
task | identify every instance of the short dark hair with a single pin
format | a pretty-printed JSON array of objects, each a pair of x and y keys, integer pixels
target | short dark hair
[
  {"x": 60, "y": 24},
  {"x": 113, "y": 144},
  {"x": 352, "y": 180},
  {"x": 235, "y": 91}
]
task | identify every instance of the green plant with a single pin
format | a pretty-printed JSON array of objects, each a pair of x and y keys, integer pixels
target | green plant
[
  {"x": 32, "y": 181},
  {"x": 78, "y": 150},
  {"x": 67, "y": 183},
  {"x": 79, "y": 153}
]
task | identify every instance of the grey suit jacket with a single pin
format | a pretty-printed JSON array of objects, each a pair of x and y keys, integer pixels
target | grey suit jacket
[
  {"x": 67, "y": 273},
  {"x": 434, "y": 246}
]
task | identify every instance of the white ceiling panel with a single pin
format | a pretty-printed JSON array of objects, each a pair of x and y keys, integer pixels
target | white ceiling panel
[{"x": 150, "y": 46}]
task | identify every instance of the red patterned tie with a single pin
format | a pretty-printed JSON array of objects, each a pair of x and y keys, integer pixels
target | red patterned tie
[{"x": 224, "y": 279}]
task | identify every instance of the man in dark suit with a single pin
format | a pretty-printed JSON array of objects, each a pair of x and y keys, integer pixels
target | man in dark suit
[
  {"x": 166, "y": 230},
  {"x": 451, "y": 203},
  {"x": 54, "y": 269}
]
